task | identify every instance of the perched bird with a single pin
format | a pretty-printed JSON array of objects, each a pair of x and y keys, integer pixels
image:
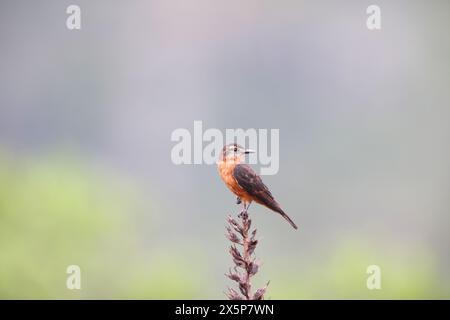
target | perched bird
[{"x": 244, "y": 182}]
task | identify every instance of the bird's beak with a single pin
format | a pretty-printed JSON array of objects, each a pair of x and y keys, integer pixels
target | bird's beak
[{"x": 249, "y": 151}]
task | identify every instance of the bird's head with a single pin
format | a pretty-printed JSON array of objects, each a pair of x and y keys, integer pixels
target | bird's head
[{"x": 234, "y": 152}]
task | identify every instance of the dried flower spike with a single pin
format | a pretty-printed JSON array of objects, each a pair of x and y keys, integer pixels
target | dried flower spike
[{"x": 246, "y": 266}]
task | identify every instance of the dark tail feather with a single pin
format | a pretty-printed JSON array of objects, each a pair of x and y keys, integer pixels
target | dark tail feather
[
  {"x": 273, "y": 205},
  {"x": 284, "y": 215}
]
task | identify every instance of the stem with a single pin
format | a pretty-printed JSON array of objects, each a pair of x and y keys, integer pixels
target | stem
[
  {"x": 247, "y": 259},
  {"x": 244, "y": 261}
]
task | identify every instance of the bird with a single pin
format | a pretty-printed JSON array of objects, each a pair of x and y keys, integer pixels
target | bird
[{"x": 243, "y": 181}]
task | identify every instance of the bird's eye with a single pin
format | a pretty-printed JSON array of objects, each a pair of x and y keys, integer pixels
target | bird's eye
[{"x": 235, "y": 149}]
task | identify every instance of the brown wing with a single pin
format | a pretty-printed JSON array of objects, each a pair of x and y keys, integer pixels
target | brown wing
[
  {"x": 248, "y": 180},
  {"x": 253, "y": 185}
]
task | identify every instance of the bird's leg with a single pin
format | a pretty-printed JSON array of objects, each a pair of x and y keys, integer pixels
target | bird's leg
[
  {"x": 238, "y": 200},
  {"x": 244, "y": 209}
]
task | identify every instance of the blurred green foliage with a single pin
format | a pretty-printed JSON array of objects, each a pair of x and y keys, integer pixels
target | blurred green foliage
[
  {"x": 343, "y": 276},
  {"x": 55, "y": 212}
]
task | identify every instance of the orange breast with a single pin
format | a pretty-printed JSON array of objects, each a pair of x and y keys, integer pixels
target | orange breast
[{"x": 226, "y": 173}]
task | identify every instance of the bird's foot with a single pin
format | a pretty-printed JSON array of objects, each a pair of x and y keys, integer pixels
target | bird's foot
[
  {"x": 238, "y": 200},
  {"x": 243, "y": 214}
]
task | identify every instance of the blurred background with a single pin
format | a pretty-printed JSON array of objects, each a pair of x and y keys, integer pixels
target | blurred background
[{"x": 86, "y": 117}]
